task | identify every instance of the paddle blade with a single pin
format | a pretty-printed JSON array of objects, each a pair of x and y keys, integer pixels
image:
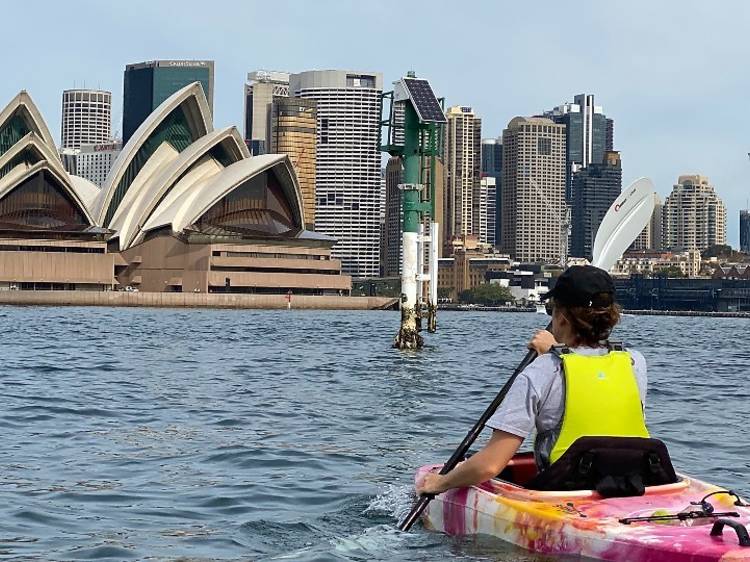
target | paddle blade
[{"x": 624, "y": 221}]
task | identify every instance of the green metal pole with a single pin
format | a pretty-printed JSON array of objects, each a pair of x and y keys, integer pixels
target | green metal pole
[{"x": 408, "y": 336}]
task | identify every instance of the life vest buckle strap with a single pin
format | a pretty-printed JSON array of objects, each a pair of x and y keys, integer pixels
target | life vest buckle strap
[{"x": 559, "y": 350}]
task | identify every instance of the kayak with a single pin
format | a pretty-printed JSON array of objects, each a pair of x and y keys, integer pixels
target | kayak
[{"x": 661, "y": 525}]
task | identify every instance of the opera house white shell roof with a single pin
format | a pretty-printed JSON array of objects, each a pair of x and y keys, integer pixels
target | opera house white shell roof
[{"x": 176, "y": 172}]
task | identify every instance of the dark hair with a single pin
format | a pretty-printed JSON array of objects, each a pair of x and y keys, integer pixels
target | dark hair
[{"x": 591, "y": 325}]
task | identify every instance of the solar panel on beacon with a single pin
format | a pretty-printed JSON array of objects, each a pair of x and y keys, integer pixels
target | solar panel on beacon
[{"x": 424, "y": 100}]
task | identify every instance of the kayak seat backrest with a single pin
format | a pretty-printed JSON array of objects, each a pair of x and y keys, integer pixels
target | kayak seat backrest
[
  {"x": 613, "y": 466},
  {"x": 520, "y": 470}
]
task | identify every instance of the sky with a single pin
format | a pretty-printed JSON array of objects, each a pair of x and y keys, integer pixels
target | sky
[{"x": 673, "y": 74}]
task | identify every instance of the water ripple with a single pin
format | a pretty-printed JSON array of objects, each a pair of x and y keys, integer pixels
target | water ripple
[{"x": 235, "y": 435}]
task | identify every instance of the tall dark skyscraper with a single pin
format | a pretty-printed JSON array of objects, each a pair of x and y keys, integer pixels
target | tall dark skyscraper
[
  {"x": 594, "y": 189},
  {"x": 745, "y": 230},
  {"x": 492, "y": 165},
  {"x": 589, "y": 134},
  {"x": 148, "y": 84}
]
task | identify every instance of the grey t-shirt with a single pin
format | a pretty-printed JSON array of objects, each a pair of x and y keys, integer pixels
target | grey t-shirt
[{"x": 536, "y": 400}]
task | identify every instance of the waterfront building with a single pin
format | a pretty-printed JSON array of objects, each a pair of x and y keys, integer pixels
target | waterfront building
[
  {"x": 594, "y": 190},
  {"x": 86, "y": 118},
  {"x": 588, "y": 134},
  {"x": 462, "y": 159},
  {"x": 492, "y": 165},
  {"x": 262, "y": 88},
  {"x": 485, "y": 197},
  {"x": 148, "y": 84},
  {"x": 348, "y": 172},
  {"x": 533, "y": 193},
  {"x": 49, "y": 239},
  {"x": 525, "y": 286},
  {"x": 293, "y": 131},
  {"x": 694, "y": 215},
  {"x": 183, "y": 208},
  {"x": 653, "y": 262},
  {"x": 670, "y": 294},
  {"x": 731, "y": 271},
  {"x": 91, "y": 161},
  {"x": 745, "y": 231},
  {"x": 468, "y": 266}
]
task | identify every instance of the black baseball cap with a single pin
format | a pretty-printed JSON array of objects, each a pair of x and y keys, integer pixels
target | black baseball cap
[{"x": 583, "y": 285}]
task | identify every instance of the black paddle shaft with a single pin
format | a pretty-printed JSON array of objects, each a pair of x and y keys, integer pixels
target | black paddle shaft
[{"x": 459, "y": 454}]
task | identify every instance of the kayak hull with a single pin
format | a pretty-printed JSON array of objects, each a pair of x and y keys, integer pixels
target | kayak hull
[{"x": 582, "y": 523}]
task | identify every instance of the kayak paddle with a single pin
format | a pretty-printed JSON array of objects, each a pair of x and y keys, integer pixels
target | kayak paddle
[{"x": 622, "y": 224}]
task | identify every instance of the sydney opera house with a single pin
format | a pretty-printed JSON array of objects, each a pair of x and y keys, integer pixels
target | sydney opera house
[{"x": 184, "y": 208}]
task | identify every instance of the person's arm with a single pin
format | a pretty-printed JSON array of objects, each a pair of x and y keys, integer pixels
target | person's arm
[{"x": 482, "y": 466}]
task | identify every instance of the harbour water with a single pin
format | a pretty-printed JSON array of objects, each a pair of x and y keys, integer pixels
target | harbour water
[{"x": 164, "y": 434}]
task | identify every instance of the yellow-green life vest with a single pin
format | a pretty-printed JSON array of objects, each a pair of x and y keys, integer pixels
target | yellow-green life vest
[{"x": 601, "y": 399}]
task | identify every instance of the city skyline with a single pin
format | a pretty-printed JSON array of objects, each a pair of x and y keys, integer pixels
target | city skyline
[{"x": 640, "y": 82}]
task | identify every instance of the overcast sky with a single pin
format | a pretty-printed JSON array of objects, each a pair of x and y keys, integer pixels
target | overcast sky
[{"x": 673, "y": 74}]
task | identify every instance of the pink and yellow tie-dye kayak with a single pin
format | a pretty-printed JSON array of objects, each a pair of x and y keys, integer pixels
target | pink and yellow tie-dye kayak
[{"x": 584, "y": 524}]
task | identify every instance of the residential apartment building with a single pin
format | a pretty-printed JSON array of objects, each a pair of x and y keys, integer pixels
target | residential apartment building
[
  {"x": 745, "y": 231},
  {"x": 86, "y": 118},
  {"x": 651, "y": 236},
  {"x": 533, "y": 190},
  {"x": 463, "y": 165},
  {"x": 694, "y": 215},
  {"x": 485, "y": 198},
  {"x": 348, "y": 174}
]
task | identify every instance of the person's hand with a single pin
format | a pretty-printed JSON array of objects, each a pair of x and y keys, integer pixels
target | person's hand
[
  {"x": 542, "y": 342},
  {"x": 431, "y": 483}
]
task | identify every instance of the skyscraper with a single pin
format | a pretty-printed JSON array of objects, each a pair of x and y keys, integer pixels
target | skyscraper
[
  {"x": 148, "y": 84},
  {"x": 745, "y": 230},
  {"x": 492, "y": 165},
  {"x": 262, "y": 88},
  {"x": 392, "y": 252},
  {"x": 588, "y": 134},
  {"x": 292, "y": 131},
  {"x": 650, "y": 237},
  {"x": 694, "y": 215},
  {"x": 533, "y": 193},
  {"x": 484, "y": 210},
  {"x": 86, "y": 118},
  {"x": 348, "y": 175},
  {"x": 594, "y": 190},
  {"x": 463, "y": 165}
]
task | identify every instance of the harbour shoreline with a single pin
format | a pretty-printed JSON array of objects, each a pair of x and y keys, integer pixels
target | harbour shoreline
[
  {"x": 634, "y": 312},
  {"x": 194, "y": 300}
]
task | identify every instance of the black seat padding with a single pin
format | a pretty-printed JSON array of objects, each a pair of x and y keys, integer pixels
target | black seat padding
[{"x": 613, "y": 466}]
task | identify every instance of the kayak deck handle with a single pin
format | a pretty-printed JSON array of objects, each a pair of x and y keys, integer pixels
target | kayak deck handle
[{"x": 739, "y": 528}]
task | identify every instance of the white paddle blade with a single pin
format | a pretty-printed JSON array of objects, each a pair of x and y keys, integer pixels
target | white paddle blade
[{"x": 624, "y": 221}]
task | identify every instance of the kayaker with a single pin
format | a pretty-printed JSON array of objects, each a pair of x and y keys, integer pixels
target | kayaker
[{"x": 584, "y": 312}]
